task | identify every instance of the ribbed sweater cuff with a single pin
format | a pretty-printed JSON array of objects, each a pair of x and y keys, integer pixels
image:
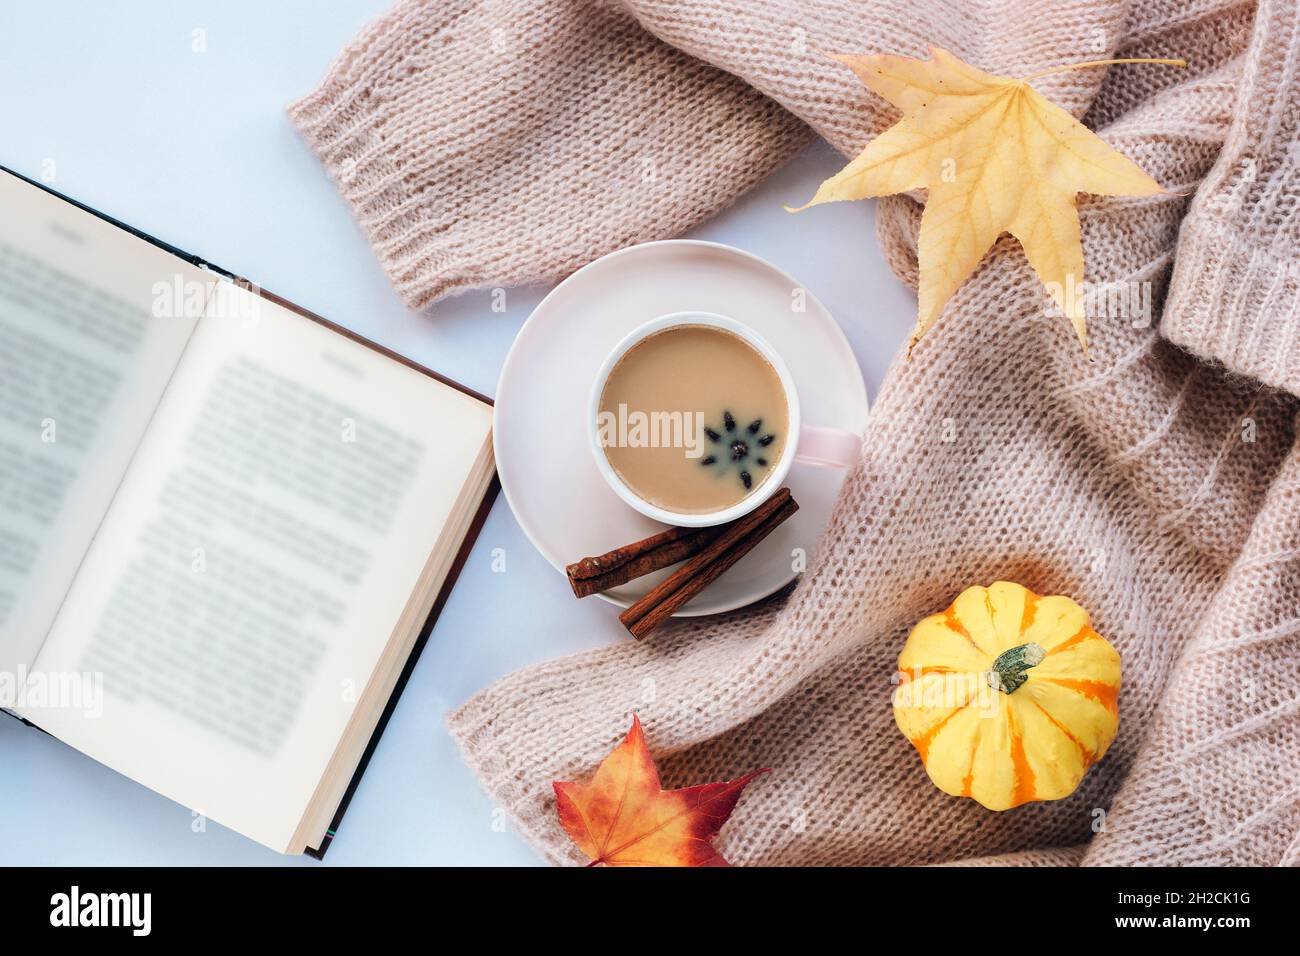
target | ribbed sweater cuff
[
  {"x": 1234, "y": 302},
  {"x": 484, "y": 144},
  {"x": 345, "y": 121}
]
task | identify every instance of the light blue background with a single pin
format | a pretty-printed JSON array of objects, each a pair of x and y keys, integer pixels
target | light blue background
[{"x": 196, "y": 149}]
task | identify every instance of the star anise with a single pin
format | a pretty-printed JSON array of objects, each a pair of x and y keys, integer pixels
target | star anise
[{"x": 742, "y": 452}]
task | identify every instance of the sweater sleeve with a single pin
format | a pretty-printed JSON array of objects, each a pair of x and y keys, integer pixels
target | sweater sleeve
[
  {"x": 1235, "y": 293},
  {"x": 494, "y": 142}
]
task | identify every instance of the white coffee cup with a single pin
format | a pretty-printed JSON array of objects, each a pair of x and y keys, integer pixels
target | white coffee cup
[{"x": 813, "y": 445}]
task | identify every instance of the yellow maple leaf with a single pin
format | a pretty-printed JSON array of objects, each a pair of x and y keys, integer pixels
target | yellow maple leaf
[{"x": 996, "y": 156}]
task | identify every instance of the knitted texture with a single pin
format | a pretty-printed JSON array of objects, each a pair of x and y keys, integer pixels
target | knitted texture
[
  {"x": 1236, "y": 296},
  {"x": 1159, "y": 489},
  {"x": 482, "y": 144}
]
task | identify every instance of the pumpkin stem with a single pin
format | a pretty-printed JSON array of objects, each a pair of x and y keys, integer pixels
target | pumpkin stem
[{"x": 1008, "y": 671}]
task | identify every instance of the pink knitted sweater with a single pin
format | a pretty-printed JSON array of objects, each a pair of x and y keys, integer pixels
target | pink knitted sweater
[{"x": 504, "y": 140}]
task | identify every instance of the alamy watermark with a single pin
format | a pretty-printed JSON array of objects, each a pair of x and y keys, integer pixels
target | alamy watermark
[
  {"x": 639, "y": 429},
  {"x": 133, "y": 911},
  {"x": 28, "y": 691},
  {"x": 1127, "y": 301},
  {"x": 182, "y": 298}
]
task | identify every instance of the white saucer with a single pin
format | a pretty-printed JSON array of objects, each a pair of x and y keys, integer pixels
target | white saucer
[{"x": 542, "y": 450}]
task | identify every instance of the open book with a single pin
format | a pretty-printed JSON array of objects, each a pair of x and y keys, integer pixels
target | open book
[{"x": 225, "y": 523}]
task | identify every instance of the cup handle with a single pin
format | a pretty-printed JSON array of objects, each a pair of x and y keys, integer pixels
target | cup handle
[{"x": 827, "y": 447}]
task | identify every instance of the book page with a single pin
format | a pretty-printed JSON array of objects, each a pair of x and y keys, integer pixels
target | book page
[
  {"x": 264, "y": 544},
  {"x": 93, "y": 321}
]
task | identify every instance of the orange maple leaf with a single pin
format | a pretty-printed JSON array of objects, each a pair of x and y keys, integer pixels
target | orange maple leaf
[{"x": 623, "y": 817}]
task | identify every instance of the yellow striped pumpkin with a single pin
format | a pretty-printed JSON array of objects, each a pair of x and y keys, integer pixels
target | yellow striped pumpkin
[{"x": 1007, "y": 696}]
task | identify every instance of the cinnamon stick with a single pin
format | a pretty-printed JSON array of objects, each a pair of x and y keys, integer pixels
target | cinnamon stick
[
  {"x": 739, "y": 538},
  {"x": 602, "y": 572}
]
